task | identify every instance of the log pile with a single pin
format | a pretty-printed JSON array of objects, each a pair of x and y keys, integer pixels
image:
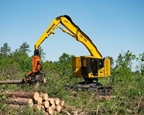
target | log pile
[{"x": 35, "y": 100}]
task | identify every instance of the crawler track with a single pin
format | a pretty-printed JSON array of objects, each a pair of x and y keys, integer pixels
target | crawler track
[{"x": 97, "y": 88}]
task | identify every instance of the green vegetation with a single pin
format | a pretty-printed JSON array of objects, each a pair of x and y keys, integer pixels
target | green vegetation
[{"x": 128, "y": 85}]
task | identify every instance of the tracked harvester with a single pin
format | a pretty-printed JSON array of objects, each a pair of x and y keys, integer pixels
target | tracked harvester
[{"x": 90, "y": 68}]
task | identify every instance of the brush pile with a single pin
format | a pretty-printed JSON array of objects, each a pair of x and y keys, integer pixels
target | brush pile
[{"x": 40, "y": 101}]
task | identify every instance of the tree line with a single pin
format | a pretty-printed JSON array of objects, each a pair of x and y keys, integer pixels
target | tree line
[{"x": 13, "y": 63}]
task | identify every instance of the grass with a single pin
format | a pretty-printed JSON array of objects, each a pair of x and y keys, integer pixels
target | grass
[{"x": 128, "y": 91}]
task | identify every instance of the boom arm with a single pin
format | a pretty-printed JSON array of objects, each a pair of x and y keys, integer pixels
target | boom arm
[
  {"x": 73, "y": 30},
  {"x": 93, "y": 66}
]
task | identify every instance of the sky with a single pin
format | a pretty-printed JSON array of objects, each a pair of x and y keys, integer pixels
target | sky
[{"x": 114, "y": 26}]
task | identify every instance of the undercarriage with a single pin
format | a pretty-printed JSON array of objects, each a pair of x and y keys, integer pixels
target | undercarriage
[{"x": 91, "y": 85}]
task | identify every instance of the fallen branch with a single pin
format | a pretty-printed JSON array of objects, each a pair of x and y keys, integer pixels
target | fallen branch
[
  {"x": 139, "y": 102},
  {"x": 105, "y": 97}
]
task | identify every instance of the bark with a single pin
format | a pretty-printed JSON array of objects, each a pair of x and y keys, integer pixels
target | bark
[
  {"x": 20, "y": 101},
  {"x": 33, "y": 95}
]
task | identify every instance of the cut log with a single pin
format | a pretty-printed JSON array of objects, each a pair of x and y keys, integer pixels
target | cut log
[
  {"x": 32, "y": 95},
  {"x": 53, "y": 106},
  {"x": 39, "y": 101},
  {"x": 62, "y": 103},
  {"x": 44, "y": 96},
  {"x": 59, "y": 108},
  {"x": 52, "y": 103},
  {"x": 50, "y": 110},
  {"x": 46, "y": 104},
  {"x": 11, "y": 82},
  {"x": 56, "y": 101},
  {"x": 20, "y": 101}
]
